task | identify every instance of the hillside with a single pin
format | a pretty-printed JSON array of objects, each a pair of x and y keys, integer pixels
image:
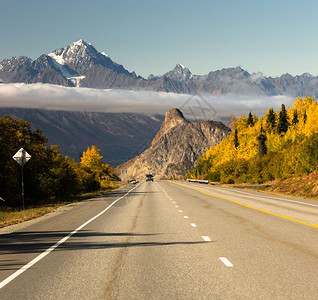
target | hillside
[
  {"x": 175, "y": 148},
  {"x": 291, "y": 139},
  {"x": 120, "y": 136}
]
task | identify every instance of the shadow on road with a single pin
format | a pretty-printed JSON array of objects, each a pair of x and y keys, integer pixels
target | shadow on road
[
  {"x": 118, "y": 194},
  {"x": 29, "y": 242}
]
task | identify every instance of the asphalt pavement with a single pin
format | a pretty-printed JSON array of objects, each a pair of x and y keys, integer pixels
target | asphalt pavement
[{"x": 167, "y": 240}]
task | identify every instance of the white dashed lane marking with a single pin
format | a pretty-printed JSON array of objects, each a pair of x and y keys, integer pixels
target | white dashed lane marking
[
  {"x": 226, "y": 261},
  {"x": 206, "y": 238}
]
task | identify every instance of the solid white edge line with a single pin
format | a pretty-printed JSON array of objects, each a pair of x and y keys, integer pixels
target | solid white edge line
[
  {"x": 226, "y": 261},
  {"x": 193, "y": 225},
  {"x": 206, "y": 238},
  {"x": 46, "y": 252}
]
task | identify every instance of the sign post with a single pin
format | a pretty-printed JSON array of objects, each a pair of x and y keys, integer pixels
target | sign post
[{"x": 22, "y": 157}]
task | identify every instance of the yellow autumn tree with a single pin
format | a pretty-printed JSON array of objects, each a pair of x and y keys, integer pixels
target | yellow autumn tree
[
  {"x": 290, "y": 153},
  {"x": 92, "y": 160}
]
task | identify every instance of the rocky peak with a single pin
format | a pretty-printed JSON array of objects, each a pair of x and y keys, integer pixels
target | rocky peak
[
  {"x": 14, "y": 63},
  {"x": 180, "y": 67},
  {"x": 82, "y": 43},
  {"x": 78, "y": 50},
  {"x": 176, "y": 147},
  {"x": 81, "y": 58},
  {"x": 173, "y": 118},
  {"x": 237, "y": 72},
  {"x": 179, "y": 73},
  {"x": 152, "y": 77},
  {"x": 83, "y": 48},
  {"x": 286, "y": 76},
  {"x": 307, "y": 75},
  {"x": 174, "y": 115}
]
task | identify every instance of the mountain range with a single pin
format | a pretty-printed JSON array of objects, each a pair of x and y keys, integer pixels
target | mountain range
[
  {"x": 176, "y": 147},
  {"x": 81, "y": 65}
]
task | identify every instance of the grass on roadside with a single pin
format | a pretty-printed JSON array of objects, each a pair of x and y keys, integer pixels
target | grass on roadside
[
  {"x": 10, "y": 216},
  {"x": 304, "y": 186}
]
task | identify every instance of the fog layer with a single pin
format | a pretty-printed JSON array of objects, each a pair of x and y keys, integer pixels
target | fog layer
[{"x": 202, "y": 106}]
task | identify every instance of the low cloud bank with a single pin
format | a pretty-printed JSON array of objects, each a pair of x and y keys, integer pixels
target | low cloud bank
[{"x": 47, "y": 96}]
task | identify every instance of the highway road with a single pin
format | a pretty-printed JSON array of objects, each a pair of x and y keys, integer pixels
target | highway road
[{"x": 167, "y": 240}]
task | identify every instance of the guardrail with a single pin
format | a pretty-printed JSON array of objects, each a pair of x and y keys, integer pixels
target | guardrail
[{"x": 198, "y": 181}]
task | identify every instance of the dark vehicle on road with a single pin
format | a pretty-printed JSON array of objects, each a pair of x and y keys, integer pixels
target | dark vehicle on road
[{"x": 149, "y": 177}]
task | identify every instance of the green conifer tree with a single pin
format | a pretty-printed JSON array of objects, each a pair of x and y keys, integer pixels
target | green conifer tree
[
  {"x": 282, "y": 125},
  {"x": 236, "y": 141},
  {"x": 271, "y": 119},
  {"x": 295, "y": 117},
  {"x": 250, "y": 120},
  {"x": 305, "y": 117},
  {"x": 262, "y": 129}
]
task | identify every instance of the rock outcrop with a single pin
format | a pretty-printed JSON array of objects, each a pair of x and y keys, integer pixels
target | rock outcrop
[{"x": 175, "y": 148}]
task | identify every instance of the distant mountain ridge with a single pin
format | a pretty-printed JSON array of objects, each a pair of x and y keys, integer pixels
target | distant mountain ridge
[
  {"x": 120, "y": 136},
  {"x": 81, "y": 65}
]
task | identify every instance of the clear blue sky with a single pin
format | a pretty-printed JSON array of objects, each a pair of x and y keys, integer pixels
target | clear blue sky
[{"x": 273, "y": 36}]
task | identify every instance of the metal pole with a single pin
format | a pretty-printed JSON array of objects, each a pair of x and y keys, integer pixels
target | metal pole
[{"x": 22, "y": 187}]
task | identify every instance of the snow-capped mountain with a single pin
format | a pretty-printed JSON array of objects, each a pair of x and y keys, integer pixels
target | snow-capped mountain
[
  {"x": 80, "y": 56},
  {"x": 180, "y": 73},
  {"x": 81, "y": 65},
  {"x": 78, "y": 64}
]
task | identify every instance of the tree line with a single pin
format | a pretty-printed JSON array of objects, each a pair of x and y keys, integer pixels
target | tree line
[
  {"x": 48, "y": 174},
  {"x": 290, "y": 138}
]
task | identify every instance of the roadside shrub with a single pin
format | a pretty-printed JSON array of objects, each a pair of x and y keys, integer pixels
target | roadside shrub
[
  {"x": 48, "y": 174},
  {"x": 214, "y": 176}
]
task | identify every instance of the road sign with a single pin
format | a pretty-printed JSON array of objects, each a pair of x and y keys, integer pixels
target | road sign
[{"x": 21, "y": 157}]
